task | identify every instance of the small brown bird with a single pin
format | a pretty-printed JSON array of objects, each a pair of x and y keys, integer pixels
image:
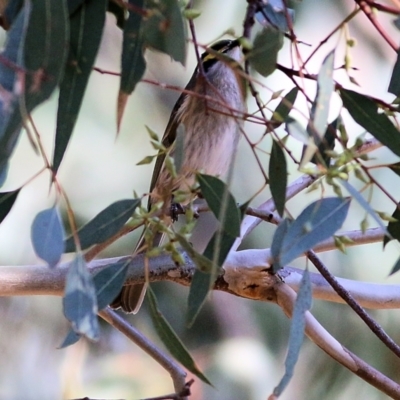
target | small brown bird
[{"x": 211, "y": 133}]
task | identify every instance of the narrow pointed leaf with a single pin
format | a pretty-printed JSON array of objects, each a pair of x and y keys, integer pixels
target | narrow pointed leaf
[
  {"x": 275, "y": 13},
  {"x": 104, "y": 225},
  {"x": 86, "y": 27},
  {"x": 396, "y": 267},
  {"x": 393, "y": 228},
  {"x": 79, "y": 302},
  {"x": 47, "y": 235},
  {"x": 365, "y": 112},
  {"x": 199, "y": 289},
  {"x": 133, "y": 64},
  {"x": 363, "y": 203},
  {"x": 165, "y": 29},
  {"x": 395, "y": 168},
  {"x": 7, "y": 200},
  {"x": 285, "y": 106},
  {"x": 36, "y": 42},
  {"x": 203, "y": 281},
  {"x": 109, "y": 281},
  {"x": 296, "y": 335},
  {"x": 71, "y": 338},
  {"x": 317, "y": 222},
  {"x": 265, "y": 50},
  {"x": 277, "y": 173},
  {"x": 213, "y": 190},
  {"x": 327, "y": 143},
  {"x": 171, "y": 340},
  {"x": 320, "y": 108},
  {"x": 277, "y": 242},
  {"x": 394, "y": 85}
]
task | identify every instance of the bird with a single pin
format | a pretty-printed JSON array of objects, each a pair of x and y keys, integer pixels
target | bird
[{"x": 210, "y": 110}]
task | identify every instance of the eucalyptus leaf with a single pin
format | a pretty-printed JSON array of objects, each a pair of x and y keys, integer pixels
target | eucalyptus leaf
[
  {"x": 171, "y": 340},
  {"x": 277, "y": 173},
  {"x": 393, "y": 228},
  {"x": 7, "y": 200},
  {"x": 364, "y": 111},
  {"x": 104, "y": 225},
  {"x": 47, "y": 235},
  {"x": 79, "y": 302},
  {"x": 265, "y": 50},
  {"x": 86, "y": 27},
  {"x": 317, "y": 222},
  {"x": 297, "y": 327}
]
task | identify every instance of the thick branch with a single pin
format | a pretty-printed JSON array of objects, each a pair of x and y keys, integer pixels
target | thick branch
[{"x": 286, "y": 298}]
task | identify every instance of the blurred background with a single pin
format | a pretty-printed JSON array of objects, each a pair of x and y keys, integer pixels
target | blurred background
[{"x": 239, "y": 344}]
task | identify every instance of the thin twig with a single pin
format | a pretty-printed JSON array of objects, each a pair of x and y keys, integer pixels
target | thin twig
[
  {"x": 177, "y": 373},
  {"x": 345, "y": 295}
]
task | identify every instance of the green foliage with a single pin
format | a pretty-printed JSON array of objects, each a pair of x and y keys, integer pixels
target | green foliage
[
  {"x": 47, "y": 235},
  {"x": 104, "y": 225},
  {"x": 278, "y": 176}
]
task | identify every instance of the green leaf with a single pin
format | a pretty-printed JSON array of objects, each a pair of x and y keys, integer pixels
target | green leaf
[
  {"x": 317, "y": 222},
  {"x": 104, "y": 225},
  {"x": 71, "y": 338},
  {"x": 109, "y": 281},
  {"x": 47, "y": 235},
  {"x": 265, "y": 50},
  {"x": 320, "y": 108},
  {"x": 118, "y": 11},
  {"x": 133, "y": 64},
  {"x": 296, "y": 335},
  {"x": 394, "y": 85},
  {"x": 202, "y": 262},
  {"x": 275, "y": 13},
  {"x": 364, "y": 111},
  {"x": 171, "y": 340},
  {"x": 395, "y": 168},
  {"x": 396, "y": 267},
  {"x": 7, "y": 200},
  {"x": 277, "y": 173},
  {"x": 327, "y": 143},
  {"x": 79, "y": 302},
  {"x": 86, "y": 28},
  {"x": 393, "y": 228},
  {"x": 285, "y": 106},
  {"x": 363, "y": 203},
  {"x": 165, "y": 29},
  {"x": 213, "y": 190},
  {"x": 37, "y": 43},
  {"x": 199, "y": 289},
  {"x": 277, "y": 242}
]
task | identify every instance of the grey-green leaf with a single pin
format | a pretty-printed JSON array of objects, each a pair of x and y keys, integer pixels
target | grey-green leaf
[
  {"x": 47, "y": 235},
  {"x": 396, "y": 267},
  {"x": 165, "y": 29},
  {"x": 393, "y": 228},
  {"x": 104, "y": 225},
  {"x": 213, "y": 190},
  {"x": 79, "y": 302},
  {"x": 108, "y": 282},
  {"x": 7, "y": 200},
  {"x": 394, "y": 85},
  {"x": 199, "y": 289},
  {"x": 277, "y": 173},
  {"x": 317, "y": 222},
  {"x": 285, "y": 106},
  {"x": 37, "y": 42},
  {"x": 133, "y": 64},
  {"x": 171, "y": 340},
  {"x": 277, "y": 242},
  {"x": 265, "y": 50},
  {"x": 296, "y": 335},
  {"x": 320, "y": 108},
  {"x": 363, "y": 203},
  {"x": 86, "y": 27},
  {"x": 365, "y": 112},
  {"x": 71, "y": 338}
]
